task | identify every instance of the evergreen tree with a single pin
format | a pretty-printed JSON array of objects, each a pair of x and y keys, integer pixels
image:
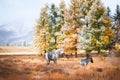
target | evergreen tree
[
  {"x": 55, "y": 25},
  {"x": 86, "y": 8},
  {"x": 98, "y": 34},
  {"x": 57, "y": 20},
  {"x": 59, "y": 34},
  {"x": 108, "y": 11},
  {"x": 116, "y": 25},
  {"x": 117, "y": 14}
]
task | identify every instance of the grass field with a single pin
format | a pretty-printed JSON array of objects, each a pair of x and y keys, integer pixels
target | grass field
[
  {"x": 12, "y": 50},
  {"x": 31, "y": 67}
]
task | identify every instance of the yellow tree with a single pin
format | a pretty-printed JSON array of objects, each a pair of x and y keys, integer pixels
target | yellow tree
[
  {"x": 71, "y": 26},
  {"x": 87, "y": 6},
  {"x": 42, "y": 31}
]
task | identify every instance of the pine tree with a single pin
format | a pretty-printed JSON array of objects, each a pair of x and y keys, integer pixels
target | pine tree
[
  {"x": 98, "y": 34},
  {"x": 59, "y": 34},
  {"x": 55, "y": 25},
  {"x": 42, "y": 31},
  {"x": 57, "y": 20},
  {"x": 86, "y": 8},
  {"x": 108, "y": 11},
  {"x": 116, "y": 25}
]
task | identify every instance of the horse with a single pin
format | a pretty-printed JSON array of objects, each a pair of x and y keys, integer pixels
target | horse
[
  {"x": 84, "y": 62},
  {"x": 53, "y": 56}
]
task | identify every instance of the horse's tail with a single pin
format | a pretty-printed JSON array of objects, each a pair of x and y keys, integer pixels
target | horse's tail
[{"x": 46, "y": 55}]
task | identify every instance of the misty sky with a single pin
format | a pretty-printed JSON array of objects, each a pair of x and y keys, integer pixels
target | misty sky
[{"x": 18, "y": 17}]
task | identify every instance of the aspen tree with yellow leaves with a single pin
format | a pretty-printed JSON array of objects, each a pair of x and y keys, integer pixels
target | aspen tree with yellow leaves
[
  {"x": 72, "y": 24},
  {"x": 42, "y": 31}
]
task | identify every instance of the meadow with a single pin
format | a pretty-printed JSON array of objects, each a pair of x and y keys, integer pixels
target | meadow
[{"x": 32, "y": 67}]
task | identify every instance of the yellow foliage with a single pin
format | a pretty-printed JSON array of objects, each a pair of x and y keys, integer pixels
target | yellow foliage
[
  {"x": 41, "y": 30},
  {"x": 103, "y": 52},
  {"x": 106, "y": 40}
]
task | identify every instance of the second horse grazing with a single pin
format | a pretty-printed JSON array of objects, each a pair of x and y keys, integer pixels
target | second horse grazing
[{"x": 84, "y": 62}]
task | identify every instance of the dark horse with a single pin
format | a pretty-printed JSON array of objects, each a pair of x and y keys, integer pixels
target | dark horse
[{"x": 84, "y": 62}]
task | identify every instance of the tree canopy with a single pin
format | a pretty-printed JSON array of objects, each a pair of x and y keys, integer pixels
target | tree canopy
[{"x": 84, "y": 24}]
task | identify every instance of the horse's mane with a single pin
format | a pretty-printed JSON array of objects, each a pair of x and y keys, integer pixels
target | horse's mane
[{"x": 58, "y": 51}]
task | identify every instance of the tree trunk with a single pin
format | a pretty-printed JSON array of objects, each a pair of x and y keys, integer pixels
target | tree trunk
[
  {"x": 76, "y": 54},
  {"x": 44, "y": 51},
  {"x": 41, "y": 54},
  {"x": 98, "y": 50},
  {"x": 76, "y": 48},
  {"x": 71, "y": 54},
  {"x": 88, "y": 56},
  {"x": 55, "y": 39}
]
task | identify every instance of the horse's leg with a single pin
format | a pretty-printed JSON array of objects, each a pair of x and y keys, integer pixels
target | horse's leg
[
  {"x": 85, "y": 64},
  {"x": 55, "y": 61},
  {"x": 48, "y": 62}
]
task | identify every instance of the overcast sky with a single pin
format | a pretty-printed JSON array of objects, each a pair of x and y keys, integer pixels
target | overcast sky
[{"x": 18, "y": 17}]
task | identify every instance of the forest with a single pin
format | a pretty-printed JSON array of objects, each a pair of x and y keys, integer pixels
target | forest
[{"x": 83, "y": 25}]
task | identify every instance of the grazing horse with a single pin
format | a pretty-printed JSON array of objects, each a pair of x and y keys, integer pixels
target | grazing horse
[
  {"x": 84, "y": 62},
  {"x": 53, "y": 55}
]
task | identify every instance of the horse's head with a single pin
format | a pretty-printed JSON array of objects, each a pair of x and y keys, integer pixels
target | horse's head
[
  {"x": 91, "y": 60},
  {"x": 60, "y": 51}
]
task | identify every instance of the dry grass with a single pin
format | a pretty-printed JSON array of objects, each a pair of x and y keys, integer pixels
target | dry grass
[
  {"x": 11, "y": 49},
  {"x": 35, "y": 68},
  {"x": 14, "y": 50}
]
